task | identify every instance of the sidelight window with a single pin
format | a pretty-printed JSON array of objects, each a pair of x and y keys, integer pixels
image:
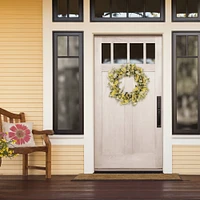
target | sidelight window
[
  {"x": 68, "y": 83},
  {"x": 186, "y": 90}
]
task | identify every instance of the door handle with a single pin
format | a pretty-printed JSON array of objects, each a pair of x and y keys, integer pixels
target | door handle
[{"x": 158, "y": 111}]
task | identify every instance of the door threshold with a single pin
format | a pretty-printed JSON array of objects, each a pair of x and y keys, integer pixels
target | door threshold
[{"x": 128, "y": 171}]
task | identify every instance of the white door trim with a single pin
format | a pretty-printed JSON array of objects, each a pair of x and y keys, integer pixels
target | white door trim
[{"x": 167, "y": 134}]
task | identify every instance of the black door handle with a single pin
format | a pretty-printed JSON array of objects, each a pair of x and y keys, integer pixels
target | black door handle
[{"x": 158, "y": 111}]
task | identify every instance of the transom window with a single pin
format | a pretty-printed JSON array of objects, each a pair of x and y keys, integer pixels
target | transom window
[
  {"x": 186, "y": 10},
  {"x": 186, "y": 90},
  {"x": 127, "y": 10},
  {"x": 67, "y": 10}
]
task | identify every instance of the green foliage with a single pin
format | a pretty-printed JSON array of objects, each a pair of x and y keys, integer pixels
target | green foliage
[{"x": 4, "y": 146}]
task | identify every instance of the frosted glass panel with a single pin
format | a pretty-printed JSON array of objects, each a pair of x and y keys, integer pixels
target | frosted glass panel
[
  {"x": 187, "y": 93},
  {"x": 62, "y": 46},
  {"x": 73, "y": 45},
  {"x": 68, "y": 94},
  {"x": 181, "y": 45},
  {"x": 193, "y": 45}
]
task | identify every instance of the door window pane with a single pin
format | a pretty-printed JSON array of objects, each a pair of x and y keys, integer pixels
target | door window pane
[
  {"x": 136, "y": 53},
  {"x": 181, "y": 45},
  {"x": 152, "y": 9},
  {"x": 106, "y": 53},
  {"x": 150, "y": 52},
  {"x": 119, "y": 9},
  {"x": 120, "y": 53},
  {"x": 136, "y": 8},
  {"x": 187, "y": 93}
]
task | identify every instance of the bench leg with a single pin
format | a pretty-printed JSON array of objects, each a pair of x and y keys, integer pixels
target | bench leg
[
  {"x": 48, "y": 164},
  {"x": 25, "y": 165}
]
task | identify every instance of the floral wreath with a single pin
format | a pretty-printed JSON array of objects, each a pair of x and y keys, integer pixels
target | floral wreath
[{"x": 138, "y": 93}]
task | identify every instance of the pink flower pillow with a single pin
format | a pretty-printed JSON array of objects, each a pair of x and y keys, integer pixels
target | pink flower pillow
[{"x": 20, "y": 132}]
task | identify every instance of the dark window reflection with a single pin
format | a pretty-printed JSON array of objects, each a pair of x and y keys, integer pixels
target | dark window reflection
[
  {"x": 181, "y": 8},
  {"x": 136, "y": 53},
  {"x": 62, "y": 8},
  {"x": 120, "y": 53},
  {"x": 152, "y": 8},
  {"x": 193, "y": 6},
  {"x": 73, "y": 8},
  {"x": 187, "y": 8},
  {"x": 150, "y": 52},
  {"x": 67, "y": 9},
  {"x": 187, "y": 93},
  {"x": 106, "y": 53},
  {"x": 102, "y": 8},
  {"x": 119, "y": 9},
  {"x": 135, "y": 8},
  {"x": 127, "y": 8}
]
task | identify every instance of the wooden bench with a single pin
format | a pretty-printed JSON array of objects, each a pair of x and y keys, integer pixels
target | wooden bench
[{"x": 6, "y": 116}]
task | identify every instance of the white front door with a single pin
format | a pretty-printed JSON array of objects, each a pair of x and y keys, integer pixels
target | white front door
[{"x": 128, "y": 137}]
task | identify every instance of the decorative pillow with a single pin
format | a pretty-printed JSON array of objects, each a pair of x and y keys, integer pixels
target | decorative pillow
[{"x": 21, "y": 132}]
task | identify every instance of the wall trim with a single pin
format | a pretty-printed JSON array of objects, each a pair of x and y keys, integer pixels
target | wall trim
[{"x": 66, "y": 140}]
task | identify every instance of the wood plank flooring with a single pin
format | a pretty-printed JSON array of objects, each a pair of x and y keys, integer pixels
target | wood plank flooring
[{"x": 62, "y": 188}]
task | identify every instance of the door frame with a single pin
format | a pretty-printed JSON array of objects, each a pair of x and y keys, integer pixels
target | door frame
[{"x": 166, "y": 102}]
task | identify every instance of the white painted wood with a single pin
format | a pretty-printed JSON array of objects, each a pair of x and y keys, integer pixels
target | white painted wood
[{"x": 127, "y": 137}]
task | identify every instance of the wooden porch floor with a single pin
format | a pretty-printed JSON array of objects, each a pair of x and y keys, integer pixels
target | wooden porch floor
[{"x": 62, "y": 188}]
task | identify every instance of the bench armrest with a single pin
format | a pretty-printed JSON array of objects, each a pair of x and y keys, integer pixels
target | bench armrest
[{"x": 43, "y": 132}]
